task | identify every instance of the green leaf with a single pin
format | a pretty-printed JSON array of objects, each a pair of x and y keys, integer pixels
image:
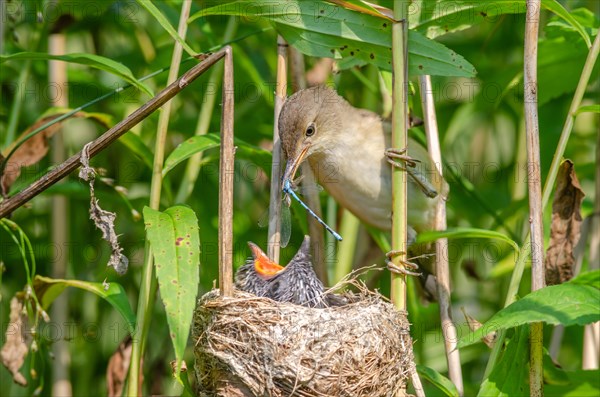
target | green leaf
[
  {"x": 588, "y": 108},
  {"x": 134, "y": 143},
  {"x": 162, "y": 20},
  {"x": 201, "y": 143},
  {"x": 48, "y": 289},
  {"x": 94, "y": 61},
  {"x": 437, "y": 18},
  {"x": 580, "y": 384},
  {"x": 465, "y": 232},
  {"x": 188, "y": 148},
  {"x": 440, "y": 17},
  {"x": 571, "y": 303},
  {"x": 559, "y": 10},
  {"x": 588, "y": 278},
  {"x": 508, "y": 377},
  {"x": 175, "y": 242},
  {"x": 322, "y": 29},
  {"x": 438, "y": 380}
]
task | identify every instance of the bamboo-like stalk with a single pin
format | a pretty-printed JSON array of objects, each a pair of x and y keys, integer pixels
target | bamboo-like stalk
[
  {"x": 226, "y": 172},
  {"x": 399, "y": 140},
  {"x": 192, "y": 168},
  {"x": 274, "y": 233},
  {"x": 399, "y": 177},
  {"x": 148, "y": 283},
  {"x": 442, "y": 268},
  {"x": 311, "y": 194},
  {"x": 591, "y": 335},
  {"x": 534, "y": 182},
  {"x": 517, "y": 273},
  {"x": 57, "y": 74},
  {"x": 349, "y": 226}
]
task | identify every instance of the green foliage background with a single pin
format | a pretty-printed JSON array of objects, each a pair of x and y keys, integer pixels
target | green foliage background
[{"x": 482, "y": 133}]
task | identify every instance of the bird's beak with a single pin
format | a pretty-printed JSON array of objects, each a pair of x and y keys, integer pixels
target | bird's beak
[
  {"x": 262, "y": 264},
  {"x": 293, "y": 164}
]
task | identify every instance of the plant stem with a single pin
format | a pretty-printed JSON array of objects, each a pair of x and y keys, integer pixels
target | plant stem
[
  {"x": 148, "y": 283},
  {"x": 442, "y": 268},
  {"x": 399, "y": 140},
  {"x": 349, "y": 229},
  {"x": 193, "y": 165},
  {"x": 57, "y": 74},
  {"x": 274, "y": 233},
  {"x": 226, "y": 172},
  {"x": 534, "y": 182}
]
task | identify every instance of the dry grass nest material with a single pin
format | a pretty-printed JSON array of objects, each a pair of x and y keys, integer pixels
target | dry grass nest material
[{"x": 250, "y": 346}]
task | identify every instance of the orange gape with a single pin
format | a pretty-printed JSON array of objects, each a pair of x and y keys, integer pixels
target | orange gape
[{"x": 262, "y": 264}]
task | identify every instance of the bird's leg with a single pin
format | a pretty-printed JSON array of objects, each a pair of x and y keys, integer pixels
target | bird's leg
[
  {"x": 417, "y": 176},
  {"x": 406, "y": 264}
]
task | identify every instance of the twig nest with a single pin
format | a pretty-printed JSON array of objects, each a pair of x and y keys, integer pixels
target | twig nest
[{"x": 250, "y": 346}]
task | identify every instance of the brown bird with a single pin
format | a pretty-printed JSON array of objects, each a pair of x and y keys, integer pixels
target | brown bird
[{"x": 349, "y": 151}]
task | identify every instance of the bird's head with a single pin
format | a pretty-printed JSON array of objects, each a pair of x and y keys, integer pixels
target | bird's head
[
  {"x": 264, "y": 267},
  {"x": 303, "y": 254},
  {"x": 309, "y": 123}
]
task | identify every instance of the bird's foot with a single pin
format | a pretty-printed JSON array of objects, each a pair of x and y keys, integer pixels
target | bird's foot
[
  {"x": 393, "y": 155},
  {"x": 406, "y": 268}
]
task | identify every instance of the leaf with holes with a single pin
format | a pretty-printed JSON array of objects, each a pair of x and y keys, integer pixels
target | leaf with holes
[
  {"x": 175, "y": 243},
  {"x": 326, "y": 30}
]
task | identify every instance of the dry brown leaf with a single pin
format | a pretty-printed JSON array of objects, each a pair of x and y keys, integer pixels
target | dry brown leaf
[
  {"x": 474, "y": 325},
  {"x": 117, "y": 368},
  {"x": 566, "y": 225},
  {"x": 29, "y": 153},
  {"x": 17, "y": 343}
]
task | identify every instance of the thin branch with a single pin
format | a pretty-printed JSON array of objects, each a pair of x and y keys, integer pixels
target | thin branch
[
  {"x": 103, "y": 141},
  {"x": 442, "y": 269}
]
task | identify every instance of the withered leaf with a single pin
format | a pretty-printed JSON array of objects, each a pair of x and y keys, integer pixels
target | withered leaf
[
  {"x": 17, "y": 343},
  {"x": 35, "y": 148},
  {"x": 566, "y": 225},
  {"x": 474, "y": 325},
  {"x": 118, "y": 365},
  {"x": 29, "y": 153}
]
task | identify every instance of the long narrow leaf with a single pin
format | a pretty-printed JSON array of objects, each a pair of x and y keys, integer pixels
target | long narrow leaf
[
  {"x": 175, "y": 242},
  {"x": 160, "y": 18},
  {"x": 48, "y": 289},
  {"x": 92, "y": 60}
]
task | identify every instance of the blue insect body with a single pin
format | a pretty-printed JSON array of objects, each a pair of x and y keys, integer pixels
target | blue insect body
[{"x": 287, "y": 189}]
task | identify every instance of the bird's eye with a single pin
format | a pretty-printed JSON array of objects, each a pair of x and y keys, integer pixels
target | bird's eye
[{"x": 310, "y": 130}]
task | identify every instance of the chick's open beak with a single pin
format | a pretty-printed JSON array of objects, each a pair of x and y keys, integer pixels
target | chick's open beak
[
  {"x": 293, "y": 164},
  {"x": 262, "y": 264}
]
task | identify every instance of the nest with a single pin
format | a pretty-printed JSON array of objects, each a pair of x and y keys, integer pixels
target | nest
[{"x": 251, "y": 346}]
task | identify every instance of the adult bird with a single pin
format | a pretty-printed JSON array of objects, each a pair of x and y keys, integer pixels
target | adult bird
[{"x": 349, "y": 152}]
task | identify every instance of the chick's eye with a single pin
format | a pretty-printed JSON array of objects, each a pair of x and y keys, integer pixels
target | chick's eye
[{"x": 310, "y": 130}]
